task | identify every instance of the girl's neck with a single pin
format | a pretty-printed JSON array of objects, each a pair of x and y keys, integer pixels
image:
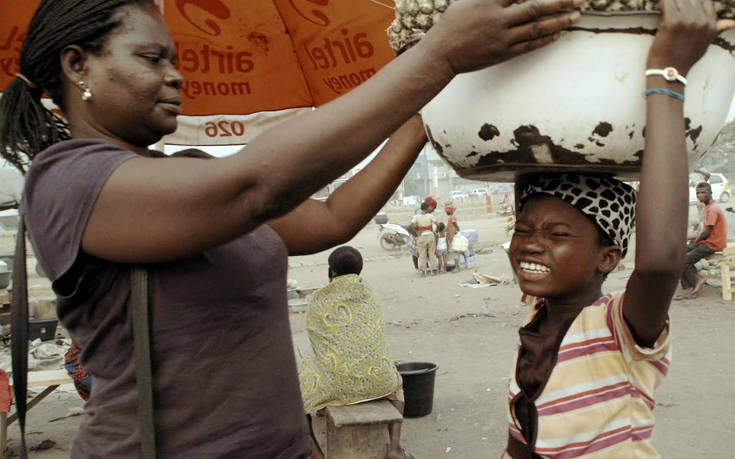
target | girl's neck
[{"x": 561, "y": 309}]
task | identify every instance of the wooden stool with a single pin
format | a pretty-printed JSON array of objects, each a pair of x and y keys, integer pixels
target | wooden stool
[
  {"x": 51, "y": 379},
  {"x": 726, "y": 259},
  {"x": 360, "y": 431}
]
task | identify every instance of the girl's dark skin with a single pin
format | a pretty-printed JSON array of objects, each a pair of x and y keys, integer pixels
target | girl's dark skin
[{"x": 552, "y": 233}]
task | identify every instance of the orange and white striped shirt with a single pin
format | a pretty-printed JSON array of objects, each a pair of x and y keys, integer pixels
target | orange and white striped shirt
[{"x": 598, "y": 400}]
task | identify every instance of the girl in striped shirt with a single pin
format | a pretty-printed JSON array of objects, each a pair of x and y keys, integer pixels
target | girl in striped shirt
[{"x": 588, "y": 363}]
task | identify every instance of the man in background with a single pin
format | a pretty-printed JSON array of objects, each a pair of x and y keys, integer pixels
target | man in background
[
  {"x": 712, "y": 238},
  {"x": 426, "y": 240}
]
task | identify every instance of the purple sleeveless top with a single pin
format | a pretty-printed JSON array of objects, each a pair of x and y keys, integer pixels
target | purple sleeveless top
[{"x": 225, "y": 380}]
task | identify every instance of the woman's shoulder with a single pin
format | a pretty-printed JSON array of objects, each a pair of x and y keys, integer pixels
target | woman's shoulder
[
  {"x": 75, "y": 148},
  {"x": 69, "y": 148},
  {"x": 345, "y": 286},
  {"x": 71, "y": 164},
  {"x": 74, "y": 160},
  {"x": 64, "y": 181}
]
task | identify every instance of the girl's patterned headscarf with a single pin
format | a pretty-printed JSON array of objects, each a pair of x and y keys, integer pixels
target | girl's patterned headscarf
[{"x": 607, "y": 201}]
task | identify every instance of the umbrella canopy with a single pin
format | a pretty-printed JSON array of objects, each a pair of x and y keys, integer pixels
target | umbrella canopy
[{"x": 249, "y": 64}]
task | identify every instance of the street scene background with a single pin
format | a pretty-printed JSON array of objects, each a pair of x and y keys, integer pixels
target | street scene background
[{"x": 471, "y": 334}]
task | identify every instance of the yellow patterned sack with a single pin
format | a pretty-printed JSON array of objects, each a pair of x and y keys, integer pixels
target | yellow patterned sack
[{"x": 348, "y": 361}]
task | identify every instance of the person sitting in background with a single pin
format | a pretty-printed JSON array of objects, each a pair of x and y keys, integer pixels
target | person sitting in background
[
  {"x": 711, "y": 239},
  {"x": 348, "y": 361},
  {"x": 81, "y": 376},
  {"x": 426, "y": 241}
]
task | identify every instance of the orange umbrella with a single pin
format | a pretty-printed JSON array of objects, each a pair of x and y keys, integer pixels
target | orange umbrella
[{"x": 262, "y": 57}]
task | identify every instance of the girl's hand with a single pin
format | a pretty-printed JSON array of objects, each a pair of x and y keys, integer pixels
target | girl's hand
[
  {"x": 474, "y": 34},
  {"x": 687, "y": 28}
]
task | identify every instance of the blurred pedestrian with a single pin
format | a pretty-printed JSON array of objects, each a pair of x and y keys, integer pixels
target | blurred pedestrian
[{"x": 426, "y": 240}]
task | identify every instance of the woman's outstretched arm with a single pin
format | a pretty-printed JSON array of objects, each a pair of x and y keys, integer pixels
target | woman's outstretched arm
[
  {"x": 315, "y": 225},
  {"x": 156, "y": 210}
]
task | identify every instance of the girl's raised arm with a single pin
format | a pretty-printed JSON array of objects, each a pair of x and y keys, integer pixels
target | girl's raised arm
[{"x": 686, "y": 30}]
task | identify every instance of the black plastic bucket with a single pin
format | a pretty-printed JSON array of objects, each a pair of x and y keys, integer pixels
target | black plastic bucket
[{"x": 418, "y": 387}]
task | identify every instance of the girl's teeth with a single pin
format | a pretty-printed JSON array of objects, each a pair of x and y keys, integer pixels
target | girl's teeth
[{"x": 534, "y": 267}]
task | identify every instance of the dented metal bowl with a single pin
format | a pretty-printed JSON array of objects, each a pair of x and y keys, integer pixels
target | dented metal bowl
[{"x": 577, "y": 104}]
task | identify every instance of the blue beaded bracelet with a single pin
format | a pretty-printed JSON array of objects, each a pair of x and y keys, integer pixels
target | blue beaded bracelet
[{"x": 668, "y": 92}]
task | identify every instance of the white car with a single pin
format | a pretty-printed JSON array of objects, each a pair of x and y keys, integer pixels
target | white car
[
  {"x": 720, "y": 188},
  {"x": 458, "y": 195},
  {"x": 478, "y": 192}
]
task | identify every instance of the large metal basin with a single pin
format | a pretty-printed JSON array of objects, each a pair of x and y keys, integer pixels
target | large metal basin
[{"x": 577, "y": 104}]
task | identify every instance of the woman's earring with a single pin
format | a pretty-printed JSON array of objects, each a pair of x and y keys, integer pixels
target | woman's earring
[{"x": 87, "y": 94}]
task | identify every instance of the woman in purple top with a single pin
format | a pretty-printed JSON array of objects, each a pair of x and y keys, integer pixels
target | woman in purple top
[{"x": 214, "y": 234}]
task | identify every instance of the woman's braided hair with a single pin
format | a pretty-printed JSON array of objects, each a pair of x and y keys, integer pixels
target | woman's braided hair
[{"x": 26, "y": 126}]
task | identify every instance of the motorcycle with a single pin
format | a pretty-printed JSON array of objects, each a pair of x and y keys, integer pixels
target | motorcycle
[{"x": 392, "y": 236}]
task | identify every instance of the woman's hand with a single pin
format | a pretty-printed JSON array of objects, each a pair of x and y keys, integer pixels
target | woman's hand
[
  {"x": 473, "y": 34},
  {"x": 686, "y": 30}
]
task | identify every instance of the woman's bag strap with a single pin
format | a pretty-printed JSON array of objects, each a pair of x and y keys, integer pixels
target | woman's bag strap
[
  {"x": 19, "y": 331},
  {"x": 141, "y": 337},
  {"x": 143, "y": 372}
]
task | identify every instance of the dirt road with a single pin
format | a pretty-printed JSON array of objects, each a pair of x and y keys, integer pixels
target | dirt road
[{"x": 472, "y": 333}]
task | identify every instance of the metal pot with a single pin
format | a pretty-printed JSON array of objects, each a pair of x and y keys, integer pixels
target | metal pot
[{"x": 577, "y": 104}]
